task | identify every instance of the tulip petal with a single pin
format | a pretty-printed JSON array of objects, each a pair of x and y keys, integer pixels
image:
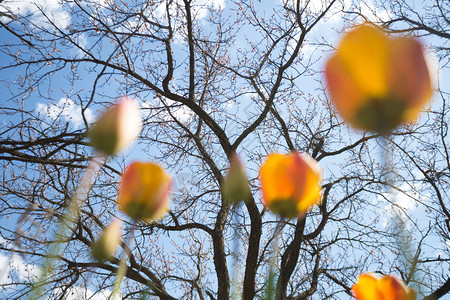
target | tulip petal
[
  {"x": 290, "y": 183},
  {"x": 392, "y": 288},
  {"x": 377, "y": 82},
  {"x": 411, "y": 80},
  {"x": 117, "y": 127},
  {"x": 275, "y": 173},
  {"x": 366, "y": 288},
  {"x": 144, "y": 191},
  {"x": 346, "y": 95},
  {"x": 371, "y": 286},
  {"x": 364, "y": 53},
  {"x": 106, "y": 245},
  {"x": 312, "y": 189},
  {"x": 235, "y": 186}
]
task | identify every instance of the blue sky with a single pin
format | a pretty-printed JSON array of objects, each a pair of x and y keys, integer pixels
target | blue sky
[{"x": 61, "y": 105}]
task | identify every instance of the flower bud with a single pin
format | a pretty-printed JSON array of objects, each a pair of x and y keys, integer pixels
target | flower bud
[
  {"x": 235, "y": 186},
  {"x": 117, "y": 127},
  {"x": 290, "y": 183},
  {"x": 377, "y": 82},
  {"x": 371, "y": 286},
  {"x": 106, "y": 245},
  {"x": 144, "y": 191}
]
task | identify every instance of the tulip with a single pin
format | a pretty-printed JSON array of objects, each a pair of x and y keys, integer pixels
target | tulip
[
  {"x": 377, "y": 82},
  {"x": 235, "y": 186},
  {"x": 371, "y": 286},
  {"x": 290, "y": 183},
  {"x": 117, "y": 127},
  {"x": 144, "y": 191},
  {"x": 106, "y": 245}
]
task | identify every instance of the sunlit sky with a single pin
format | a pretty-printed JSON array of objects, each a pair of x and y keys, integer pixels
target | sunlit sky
[{"x": 61, "y": 108}]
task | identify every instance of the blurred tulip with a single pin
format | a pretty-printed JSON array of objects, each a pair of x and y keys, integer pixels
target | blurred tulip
[
  {"x": 235, "y": 186},
  {"x": 290, "y": 183},
  {"x": 371, "y": 286},
  {"x": 144, "y": 191},
  {"x": 377, "y": 82},
  {"x": 106, "y": 245},
  {"x": 117, "y": 127}
]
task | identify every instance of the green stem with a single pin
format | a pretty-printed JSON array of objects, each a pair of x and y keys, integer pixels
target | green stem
[
  {"x": 236, "y": 289},
  {"x": 401, "y": 232},
  {"x": 271, "y": 292},
  {"x": 66, "y": 227},
  {"x": 122, "y": 269}
]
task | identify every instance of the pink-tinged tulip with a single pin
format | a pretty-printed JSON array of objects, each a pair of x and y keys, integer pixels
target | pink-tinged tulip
[
  {"x": 117, "y": 127},
  {"x": 106, "y": 245},
  {"x": 235, "y": 186},
  {"x": 290, "y": 183},
  {"x": 371, "y": 286},
  {"x": 377, "y": 82},
  {"x": 144, "y": 191}
]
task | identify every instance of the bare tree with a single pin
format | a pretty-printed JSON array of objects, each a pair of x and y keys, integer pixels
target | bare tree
[{"x": 213, "y": 78}]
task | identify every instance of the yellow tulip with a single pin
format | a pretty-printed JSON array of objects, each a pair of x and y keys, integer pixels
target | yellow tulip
[
  {"x": 377, "y": 82},
  {"x": 117, "y": 127},
  {"x": 371, "y": 286},
  {"x": 290, "y": 183},
  {"x": 144, "y": 191}
]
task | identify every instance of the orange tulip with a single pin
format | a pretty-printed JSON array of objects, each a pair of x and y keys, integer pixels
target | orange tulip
[
  {"x": 117, "y": 127},
  {"x": 144, "y": 191},
  {"x": 371, "y": 286},
  {"x": 290, "y": 183},
  {"x": 377, "y": 82}
]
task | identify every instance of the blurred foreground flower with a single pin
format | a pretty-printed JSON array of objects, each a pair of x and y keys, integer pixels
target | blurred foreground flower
[
  {"x": 371, "y": 286},
  {"x": 377, "y": 82},
  {"x": 117, "y": 127},
  {"x": 144, "y": 191},
  {"x": 106, "y": 245},
  {"x": 290, "y": 183},
  {"x": 235, "y": 186}
]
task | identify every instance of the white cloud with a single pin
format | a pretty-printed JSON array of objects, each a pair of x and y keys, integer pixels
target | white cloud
[
  {"x": 334, "y": 16},
  {"x": 373, "y": 13},
  {"x": 434, "y": 67},
  {"x": 37, "y": 10},
  {"x": 402, "y": 200},
  {"x": 15, "y": 265},
  {"x": 447, "y": 244},
  {"x": 312, "y": 6},
  {"x": 177, "y": 110},
  {"x": 65, "y": 110},
  {"x": 203, "y": 6},
  {"x": 199, "y": 8},
  {"x": 401, "y": 203},
  {"x": 82, "y": 293},
  {"x": 82, "y": 41},
  {"x": 103, "y": 3},
  {"x": 180, "y": 112}
]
